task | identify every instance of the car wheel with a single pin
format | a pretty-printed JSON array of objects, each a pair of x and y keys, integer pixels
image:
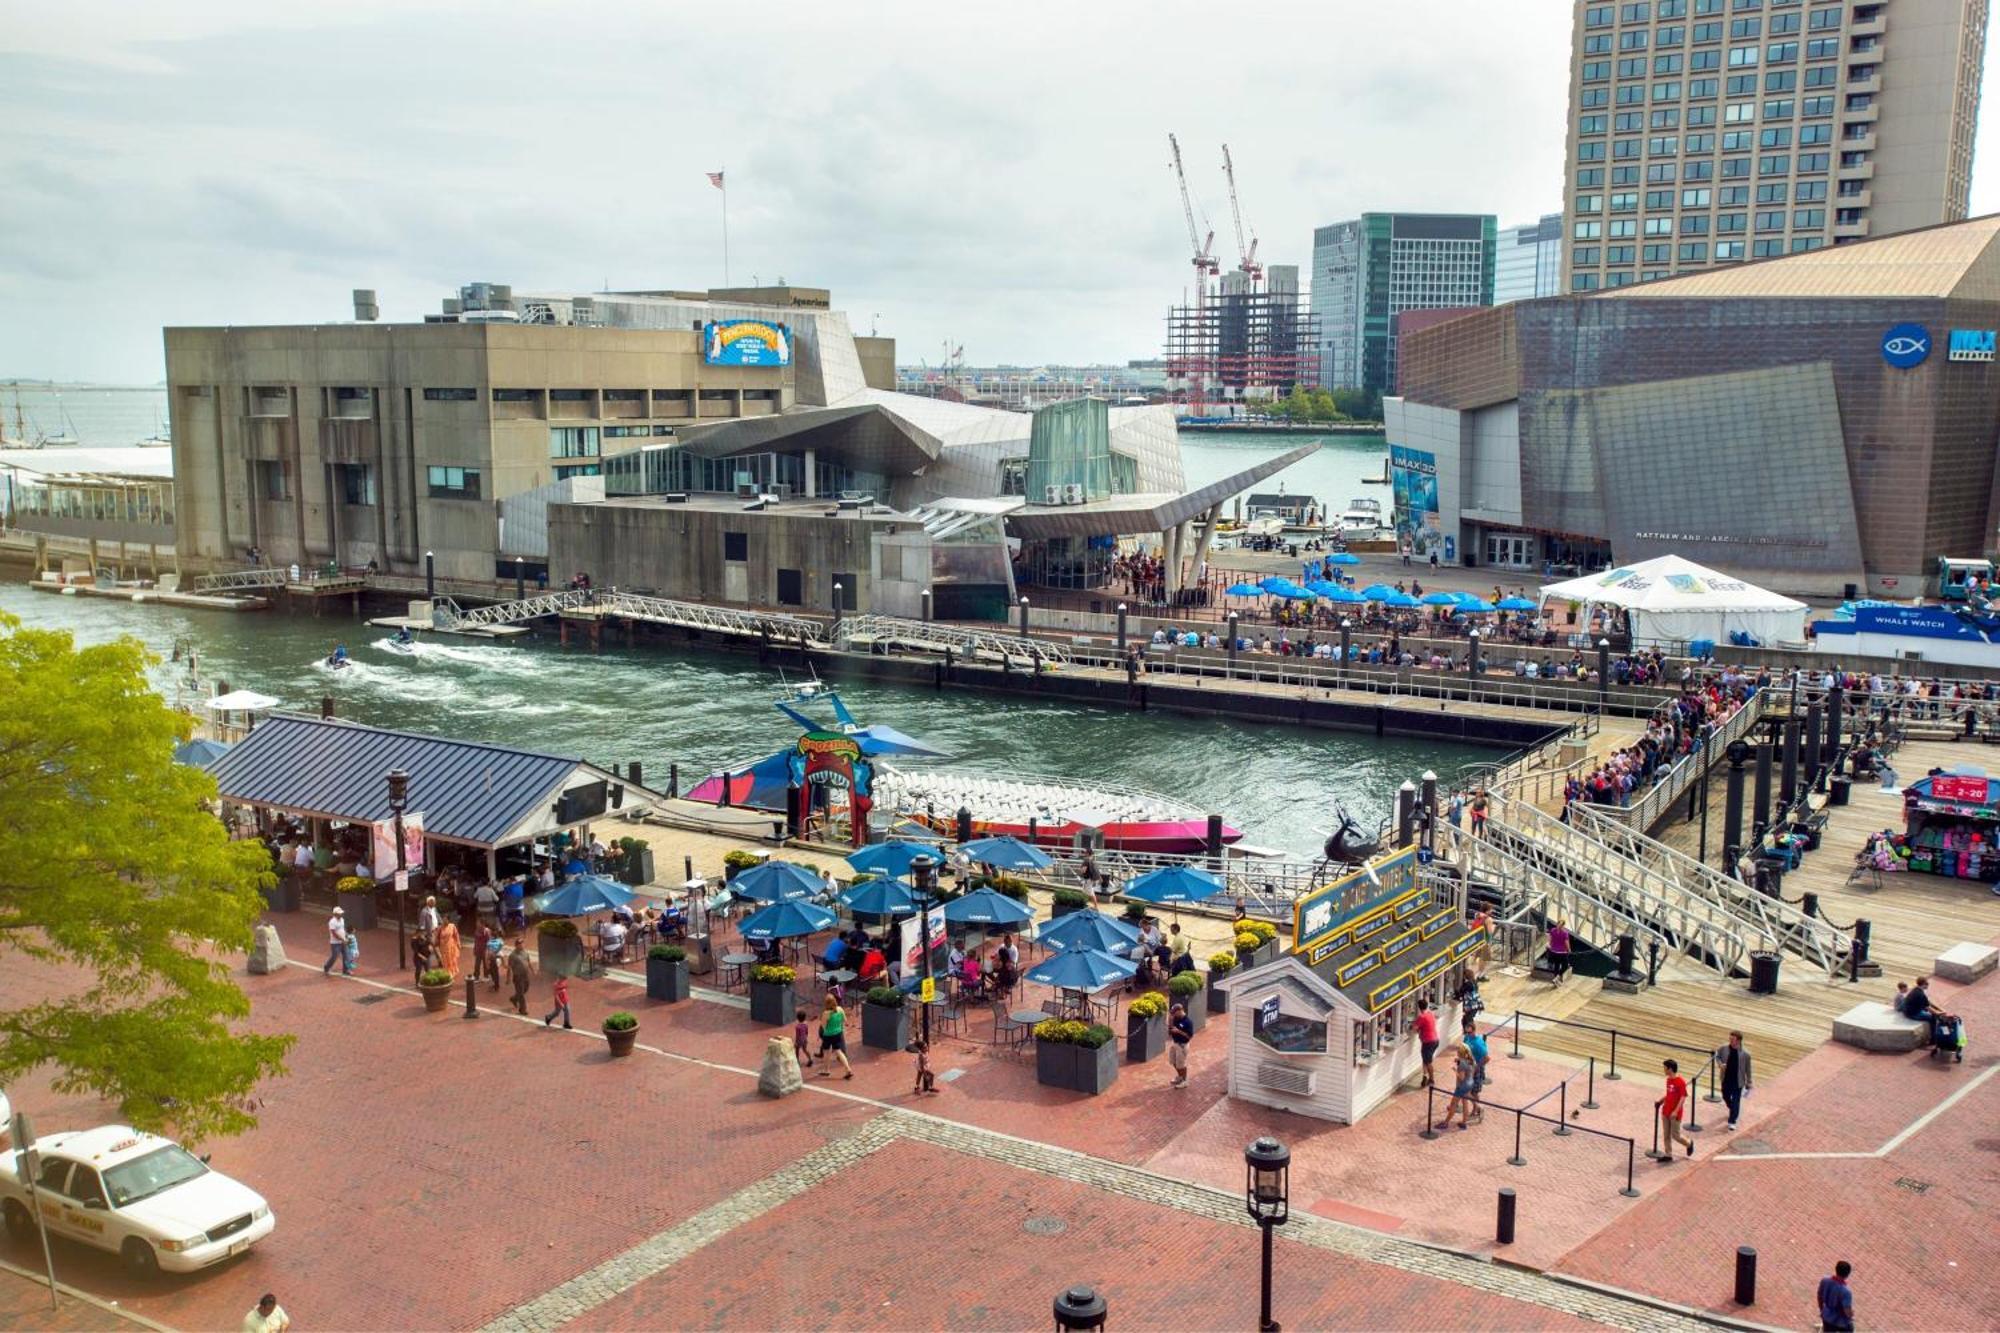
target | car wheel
[
  {"x": 140, "y": 1261},
  {"x": 19, "y": 1225}
]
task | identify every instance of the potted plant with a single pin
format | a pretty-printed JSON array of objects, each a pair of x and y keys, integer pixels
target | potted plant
[
  {"x": 620, "y": 1031},
  {"x": 1267, "y": 938},
  {"x": 1067, "y": 901},
  {"x": 1145, "y": 1028},
  {"x": 1008, "y": 886},
  {"x": 1219, "y": 965},
  {"x": 558, "y": 946},
  {"x": 736, "y": 862},
  {"x": 666, "y": 973},
  {"x": 1185, "y": 987},
  {"x": 1076, "y": 1056},
  {"x": 1137, "y": 912},
  {"x": 435, "y": 986},
  {"x": 771, "y": 997},
  {"x": 635, "y": 867},
  {"x": 1247, "y": 945},
  {"x": 885, "y": 1019},
  {"x": 356, "y": 897}
]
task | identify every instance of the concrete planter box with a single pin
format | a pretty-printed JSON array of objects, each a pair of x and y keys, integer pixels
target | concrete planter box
[
  {"x": 1055, "y": 1066},
  {"x": 285, "y": 895},
  {"x": 667, "y": 979},
  {"x": 884, "y": 1028},
  {"x": 358, "y": 908},
  {"x": 1197, "y": 1009},
  {"x": 621, "y": 1040},
  {"x": 1076, "y": 1068},
  {"x": 772, "y": 1003},
  {"x": 1218, "y": 1001},
  {"x": 559, "y": 954},
  {"x": 1245, "y": 958},
  {"x": 1268, "y": 953},
  {"x": 1145, "y": 1038},
  {"x": 436, "y": 997},
  {"x": 1060, "y": 909},
  {"x": 642, "y": 873}
]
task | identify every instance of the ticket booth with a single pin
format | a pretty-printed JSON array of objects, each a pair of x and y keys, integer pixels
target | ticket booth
[{"x": 1329, "y": 1029}]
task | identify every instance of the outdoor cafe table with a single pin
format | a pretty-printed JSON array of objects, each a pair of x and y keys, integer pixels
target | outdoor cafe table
[
  {"x": 734, "y": 963},
  {"x": 943, "y": 1014},
  {"x": 1022, "y": 1021},
  {"x": 837, "y": 976}
]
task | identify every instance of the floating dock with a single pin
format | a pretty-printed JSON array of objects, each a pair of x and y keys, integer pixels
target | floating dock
[{"x": 194, "y": 600}]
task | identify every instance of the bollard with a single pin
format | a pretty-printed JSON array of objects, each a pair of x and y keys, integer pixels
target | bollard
[
  {"x": 430, "y": 577},
  {"x": 1746, "y": 1275},
  {"x": 1517, "y": 1159},
  {"x": 520, "y": 579},
  {"x": 673, "y": 779},
  {"x": 472, "y": 996},
  {"x": 927, "y": 605},
  {"x": 1562, "y": 1109},
  {"x": 1809, "y": 904},
  {"x": 1503, "y": 1228},
  {"x": 1863, "y": 928},
  {"x": 1121, "y": 627},
  {"x": 1589, "y": 1102},
  {"x": 1406, "y": 813}
]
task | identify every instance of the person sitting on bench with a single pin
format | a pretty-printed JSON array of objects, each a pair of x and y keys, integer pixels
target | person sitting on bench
[
  {"x": 1917, "y": 1004},
  {"x": 836, "y": 949}
]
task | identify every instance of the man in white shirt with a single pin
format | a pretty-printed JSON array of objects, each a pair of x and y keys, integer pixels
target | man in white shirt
[
  {"x": 267, "y": 1317},
  {"x": 487, "y": 899},
  {"x": 336, "y": 943},
  {"x": 612, "y": 935},
  {"x": 302, "y": 856},
  {"x": 427, "y": 916}
]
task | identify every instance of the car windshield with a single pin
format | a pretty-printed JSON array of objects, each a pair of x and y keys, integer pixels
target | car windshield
[{"x": 143, "y": 1177}]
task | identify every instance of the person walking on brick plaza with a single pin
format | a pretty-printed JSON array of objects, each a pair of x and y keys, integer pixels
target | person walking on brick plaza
[
  {"x": 519, "y": 975},
  {"x": 1732, "y": 1064},
  {"x": 1462, "y": 1073},
  {"x": 1669, "y": 1108},
  {"x": 1558, "y": 952},
  {"x": 486, "y": 954},
  {"x": 336, "y": 943},
  {"x": 833, "y": 1037},
  {"x": 267, "y": 1316},
  {"x": 422, "y": 955},
  {"x": 1180, "y": 1031},
  {"x": 427, "y": 917},
  {"x": 447, "y": 947},
  {"x": 561, "y": 996},
  {"x": 1475, "y": 1045},
  {"x": 1836, "y": 1300}
]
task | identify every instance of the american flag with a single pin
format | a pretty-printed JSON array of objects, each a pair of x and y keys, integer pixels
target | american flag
[{"x": 715, "y": 179}]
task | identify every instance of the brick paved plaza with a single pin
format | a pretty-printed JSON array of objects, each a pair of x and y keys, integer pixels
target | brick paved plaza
[{"x": 430, "y": 1172}]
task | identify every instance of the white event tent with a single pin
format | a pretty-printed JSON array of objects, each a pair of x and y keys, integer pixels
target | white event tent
[{"x": 1668, "y": 599}]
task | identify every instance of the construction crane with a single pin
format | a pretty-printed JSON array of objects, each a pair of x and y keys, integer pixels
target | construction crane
[
  {"x": 1189, "y": 368},
  {"x": 1246, "y": 255}
]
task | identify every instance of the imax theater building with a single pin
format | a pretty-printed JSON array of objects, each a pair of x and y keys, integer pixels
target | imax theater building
[{"x": 1823, "y": 424}]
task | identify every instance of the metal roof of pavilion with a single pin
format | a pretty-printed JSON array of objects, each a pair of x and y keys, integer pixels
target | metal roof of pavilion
[
  {"x": 1144, "y": 513},
  {"x": 467, "y": 791}
]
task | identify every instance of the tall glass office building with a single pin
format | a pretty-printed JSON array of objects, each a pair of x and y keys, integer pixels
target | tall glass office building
[
  {"x": 1371, "y": 269},
  {"x": 1528, "y": 261},
  {"x": 1712, "y": 131}
]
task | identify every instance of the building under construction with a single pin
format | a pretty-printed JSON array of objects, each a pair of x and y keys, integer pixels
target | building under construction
[{"x": 1243, "y": 342}]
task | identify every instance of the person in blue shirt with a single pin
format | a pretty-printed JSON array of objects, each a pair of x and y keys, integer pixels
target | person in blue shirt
[
  {"x": 1836, "y": 1301},
  {"x": 1475, "y": 1043},
  {"x": 835, "y": 951}
]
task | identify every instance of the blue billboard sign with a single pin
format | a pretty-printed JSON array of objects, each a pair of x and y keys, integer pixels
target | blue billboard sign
[
  {"x": 1906, "y": 345},
  {"x": 1971, "y": 345},
  {"x": 746, "y": 342}
]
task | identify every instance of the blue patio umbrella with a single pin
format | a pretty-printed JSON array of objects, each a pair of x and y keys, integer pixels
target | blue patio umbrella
[
  {"x": 1514, "y": 604},
  {"x": 1092, "y": 928},
  {"x": 1174, "y": 884},
  {"x": 1401, "y": 599},
  {"x": 1439, "y": 599},
  {"x": 199, "y": 753},
  {"x": 582, "y": 896},
  {"x": 1462, "y": 597},
  {"x": 1347, "y": 597},
  {"x": 1381, "y": 592},
  {"x": 1081, "y": 968},
  {"x": 1274, "y": 584},
  {"x": 1474, "y": 607},
  {"x": 775, "y": 882},
  {"x": 1245, "y": 590},
  {"x": 892, "y": 858},
  {"x": 1295, "y": 593},
  {"x": 1344, "y": 558},
  {"x": 880, "y": 897},
  {"x": 786, "y": 921},
  {"x": 986, "y": 907},
  {"x": 1007, "y": 854}
]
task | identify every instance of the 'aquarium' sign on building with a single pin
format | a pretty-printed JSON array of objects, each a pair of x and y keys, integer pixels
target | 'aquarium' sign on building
[{"x": 746, "y": 342}]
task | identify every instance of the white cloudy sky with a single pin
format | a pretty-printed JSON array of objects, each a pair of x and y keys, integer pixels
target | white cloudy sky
[{"x": 991, "y": 175}]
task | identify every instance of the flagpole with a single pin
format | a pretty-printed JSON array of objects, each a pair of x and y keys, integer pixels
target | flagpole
[{"x": 725, "y": 226}]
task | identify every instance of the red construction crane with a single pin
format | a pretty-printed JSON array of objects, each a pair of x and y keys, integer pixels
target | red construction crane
[
  {"x": 1189, "y": 367},
  {"x": 1246, "y": 255}
]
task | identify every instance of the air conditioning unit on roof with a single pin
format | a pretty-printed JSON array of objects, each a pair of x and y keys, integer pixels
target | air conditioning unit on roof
[
  {"x": 1072, "y": 493},
  {"x": 1051, "y": 495}
]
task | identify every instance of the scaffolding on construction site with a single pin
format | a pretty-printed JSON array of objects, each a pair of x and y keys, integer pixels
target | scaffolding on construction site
[{"x": 1242, "y": 345}]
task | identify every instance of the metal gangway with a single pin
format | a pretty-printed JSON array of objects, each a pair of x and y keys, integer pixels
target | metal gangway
[
  {"x": 449, "y": 615},
  {"x": 1526, "y": 887},
  {"x": 894, "y": 632},
  {"x": 1811, "y": 939},
  {"x": 241, "y": 580},
  {"x": 1689, "y": 921},
  {"x": 1651, "y": 805}
]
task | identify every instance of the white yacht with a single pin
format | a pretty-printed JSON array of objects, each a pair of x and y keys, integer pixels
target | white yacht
[{"x": 1361, "y": 520}]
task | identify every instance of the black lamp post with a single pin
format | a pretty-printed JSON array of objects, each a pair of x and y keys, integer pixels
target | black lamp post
[
  {"x": 1267, "y": 1195},
  {"x": 399, "y": 801},
  {"x": 1079, "y": 1308},
  {"x": 924, "y": 875},
  {"x": 430, "y": 576}
]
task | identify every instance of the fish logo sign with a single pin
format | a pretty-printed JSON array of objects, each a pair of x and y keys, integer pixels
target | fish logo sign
[{"x": 1906, "y": 345}]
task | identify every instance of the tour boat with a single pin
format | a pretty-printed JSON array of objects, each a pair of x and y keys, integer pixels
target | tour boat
[
  {"x": 1051, "y": 811},
  {"x": 1361, "y": 520}
]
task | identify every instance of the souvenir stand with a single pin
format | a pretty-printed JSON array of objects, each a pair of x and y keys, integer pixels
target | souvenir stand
[{"x": 1952, "y": 825}]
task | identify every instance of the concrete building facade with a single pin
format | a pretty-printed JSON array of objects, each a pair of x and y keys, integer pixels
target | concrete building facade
[
  {"x": 1368, "y": 271},
  {"x": 1705, "y": 132}
]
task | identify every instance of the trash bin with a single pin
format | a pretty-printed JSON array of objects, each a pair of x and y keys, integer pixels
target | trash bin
[
  {"x": 1837, "y": 791},
  {"x": 1763, "y": 972}
]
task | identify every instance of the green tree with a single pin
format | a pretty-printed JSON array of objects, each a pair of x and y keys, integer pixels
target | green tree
[
  {"x": 112, "y": 868},
  {"x": 1320, "y": 405}
]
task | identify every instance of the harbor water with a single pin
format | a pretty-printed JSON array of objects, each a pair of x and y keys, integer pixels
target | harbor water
[{"x": 660, "y": 705}]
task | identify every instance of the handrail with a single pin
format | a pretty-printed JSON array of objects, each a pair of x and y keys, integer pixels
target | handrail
[
  {"x": 1652, "y": 805},
  {"x": 264, "y": 576},
  {"x": 1561, "y": 896},
  {"x": 931, "y": 636}
]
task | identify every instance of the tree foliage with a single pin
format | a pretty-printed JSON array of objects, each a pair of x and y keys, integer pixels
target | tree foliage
[
  {"x": 1321, "y": 405},
  {"x": 110, "y": 863}
]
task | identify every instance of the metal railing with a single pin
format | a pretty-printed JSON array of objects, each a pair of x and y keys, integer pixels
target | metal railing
[
  {"x": 931, "y": 637},
  {"x": 448, "y": 614},
  {"x": 1652, "y": 804},
  {"x": 714, "y": 619},
  {"x": 238, "y": 579},
  {"x": 1530, "y": 889},
  {"x": 1813, "y": 940}
]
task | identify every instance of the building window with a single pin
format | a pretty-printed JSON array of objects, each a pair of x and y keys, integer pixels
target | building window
[
  {"x": 273, "y": 482},
  {"x": 581, "y": 470},
  {"x": 569, "y": 395},
  {"x": 515, "y": 395},
  {"x": 451, "y": 395},
  {"x": 573, "y": 442},
  {"x": 1583, "y": 282},
  {"x": 791, "y": 588},
  {"x": 454, "y": 483},
  {"x": 1013, "y": 476},
  {"x": 1728, "y": 250},
  {"x": 357, "y": 483},
  {"x": 736, "y": 546}
]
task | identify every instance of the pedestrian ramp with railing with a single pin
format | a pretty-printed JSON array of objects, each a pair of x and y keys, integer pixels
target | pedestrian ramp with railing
[
  {"x": 894, "y": 633},
  {"x": 242, "y": 580}
]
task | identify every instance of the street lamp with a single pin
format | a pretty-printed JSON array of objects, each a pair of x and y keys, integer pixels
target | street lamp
[
  {"x": 1267, "y": 1196},
  {"x": 924, "y": 875},
  {"x": 399, "y": 800},
  {"x": 1079, "y": 1308}
]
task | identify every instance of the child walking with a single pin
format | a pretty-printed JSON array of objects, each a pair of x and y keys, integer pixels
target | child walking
[
  {"x": 926, "y": 1080},
  {"x": 799, "y": 1039}
]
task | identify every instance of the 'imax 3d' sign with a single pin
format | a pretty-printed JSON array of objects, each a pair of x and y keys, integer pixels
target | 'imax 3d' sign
[{"x": 1971, "y": 345}]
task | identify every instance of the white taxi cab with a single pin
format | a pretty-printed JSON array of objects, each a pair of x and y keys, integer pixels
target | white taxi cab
[{"x": 144, "y": 1198}]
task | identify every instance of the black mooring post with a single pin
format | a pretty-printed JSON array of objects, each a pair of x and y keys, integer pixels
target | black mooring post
[
  {"x": 1760, "y": 805},
  {"x": 1121, "y": 627},
  {"x": 1788, "y": 779},
  {"x": 1812, "y": 751},
  {"x": 1746, "y": 1275},
  {"x": 1503, "y": 1230}
]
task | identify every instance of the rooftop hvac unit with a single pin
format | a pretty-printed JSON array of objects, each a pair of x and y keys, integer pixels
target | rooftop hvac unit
[
  {"x": 782, "y": 489},
  {"x": 746, "y": 490},
  {"x": 365, "y": 308},
  {"x": 1051, "y": 495},
  {"x": 676, "y": 497},
  {"x": 1072, "y": 493},
  {"x": 849, "y": 505},
  {"x": 453, "y": 305}
]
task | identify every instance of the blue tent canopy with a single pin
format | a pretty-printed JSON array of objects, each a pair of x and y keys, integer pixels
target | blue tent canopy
[
  {"x": 1439, "y": 599},
  {"x": 1346, "y": 596},
  {"x": 1475, "y": 606},
  {"x": 986, "y": 907},
  {"x": 1274, "y": 584},
  {"x": 1174, "y": 884},
  {"x": 582, "y": 896},
  {"x": 892, "y": 858},
  {"x": 785, "y": 921},
  {"x": 1007, "y": 854},
  {"x": 880, "y": 897},
  {"x": 775, "y": 882},
  {"x": 1081, "y": 968},
  {"x": 1092, "y": 928}
]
